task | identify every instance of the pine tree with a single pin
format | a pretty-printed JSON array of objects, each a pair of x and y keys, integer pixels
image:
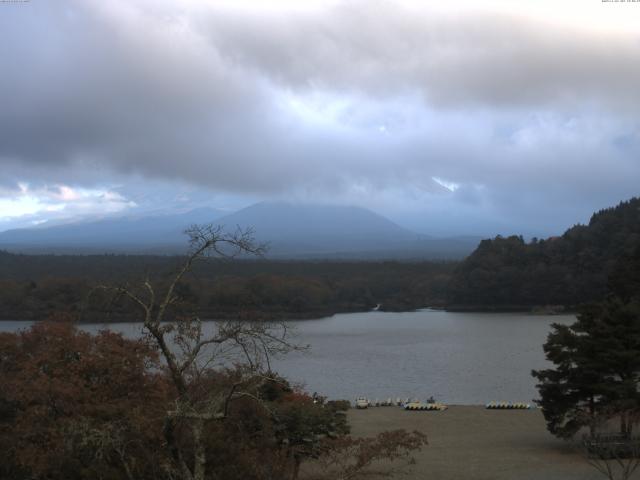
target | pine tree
[
  {"x": 597, "y": 369},
  {"x": 570, "y": 393}
]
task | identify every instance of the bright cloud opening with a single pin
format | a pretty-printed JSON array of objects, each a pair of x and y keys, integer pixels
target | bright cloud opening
[{"x": 36, "y": 205}]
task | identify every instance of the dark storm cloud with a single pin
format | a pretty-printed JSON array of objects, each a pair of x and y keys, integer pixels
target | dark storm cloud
[{"x": 351, "y": 102}]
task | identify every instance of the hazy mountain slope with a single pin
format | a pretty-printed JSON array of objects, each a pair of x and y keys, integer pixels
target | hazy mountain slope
[
  {"x": 312, "y": 229},
  {"x": 336, "y": 231},
  {"x": 291, "y": 230},
  {"x": 116, "y": 232}
]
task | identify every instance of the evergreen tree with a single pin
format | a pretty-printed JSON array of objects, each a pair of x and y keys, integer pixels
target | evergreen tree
[
  {"x": 569, "y": 270},
  {"x": 597, "y": 369},
  {"x": 625, "y": 278},
  {"x": 571, "y": 392}
]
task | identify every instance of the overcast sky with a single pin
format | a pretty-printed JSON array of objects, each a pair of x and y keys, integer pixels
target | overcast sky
[{"x": 448, "y": 117}]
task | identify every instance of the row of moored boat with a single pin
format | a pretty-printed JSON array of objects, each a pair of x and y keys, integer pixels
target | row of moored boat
[
  {"x": 363, "y": 402},
  {"x": 425, "y": 406},
  {"x": 508, "y": 406}
]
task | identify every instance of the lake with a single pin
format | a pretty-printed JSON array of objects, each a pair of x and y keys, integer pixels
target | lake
[{"x": 459, "y": 358}]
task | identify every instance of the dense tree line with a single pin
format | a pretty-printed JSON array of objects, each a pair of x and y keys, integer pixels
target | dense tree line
[
  {"x": 31, "y": 286},
  {"x": 568, "y": 270},
  {"x": 503, "y": 273},
  {"x": 596, "y": 372}
]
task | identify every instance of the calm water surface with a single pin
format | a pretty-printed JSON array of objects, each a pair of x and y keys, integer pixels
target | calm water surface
[{"x": 459, "y": 358}]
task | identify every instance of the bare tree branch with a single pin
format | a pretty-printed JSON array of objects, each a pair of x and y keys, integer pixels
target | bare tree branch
[{"x": 181, "y": 343}]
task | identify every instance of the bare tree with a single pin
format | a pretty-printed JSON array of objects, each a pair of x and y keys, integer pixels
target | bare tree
[
  {"x": 350, "y": 458},
  {"x": 189, "y": 351},
  {"x": 194, "y": 354},
  {"x": 615, "y": 455}
]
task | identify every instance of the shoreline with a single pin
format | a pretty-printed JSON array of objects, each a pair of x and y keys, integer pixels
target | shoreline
[{"x": 318, "y": 315}]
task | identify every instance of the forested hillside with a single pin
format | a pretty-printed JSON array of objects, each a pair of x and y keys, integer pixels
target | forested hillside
[
  {"x": 32, "y": 286},
  {"x": 503, "y": 273},
  {"x": 509, "y": 273}
]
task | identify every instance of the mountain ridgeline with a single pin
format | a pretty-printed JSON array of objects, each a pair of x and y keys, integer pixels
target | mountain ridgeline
[
  {"x": 292, "y": 231},
  {"x": 507, "y": 273},
  {"x": 151, "y": 233}
]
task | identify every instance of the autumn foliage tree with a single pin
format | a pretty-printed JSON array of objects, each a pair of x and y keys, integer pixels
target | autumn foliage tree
[
  {"x": 189, "y": 401},
  {"x": 80, "y": 406},
  {"x": 75, "y": 405}
]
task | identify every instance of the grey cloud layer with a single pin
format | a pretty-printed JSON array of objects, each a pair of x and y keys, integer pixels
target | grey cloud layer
[
  {"x": 487, "y": 59},
  {"x": 352, "y": 101}
]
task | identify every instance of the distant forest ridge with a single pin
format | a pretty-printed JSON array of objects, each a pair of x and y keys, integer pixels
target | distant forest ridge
[
  {"x": 509, "y": 273},
  {"x": 506, "y": 273},
  {"x": 34, "y": 286}
]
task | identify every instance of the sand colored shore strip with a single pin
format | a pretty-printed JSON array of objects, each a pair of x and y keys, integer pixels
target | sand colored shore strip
[{"x": 471, "y": 442}]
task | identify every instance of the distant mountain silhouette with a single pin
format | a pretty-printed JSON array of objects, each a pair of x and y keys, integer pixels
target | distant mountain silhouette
[
  {"x": 337, "y": 231},
  {"x": 319, "y": 228},
  {"x": 291, "y": 230},
  {"x": 114, "y": 234}
]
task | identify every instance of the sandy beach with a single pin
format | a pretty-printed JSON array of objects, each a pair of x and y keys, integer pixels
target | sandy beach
[{"x": 470, "y": 442}]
